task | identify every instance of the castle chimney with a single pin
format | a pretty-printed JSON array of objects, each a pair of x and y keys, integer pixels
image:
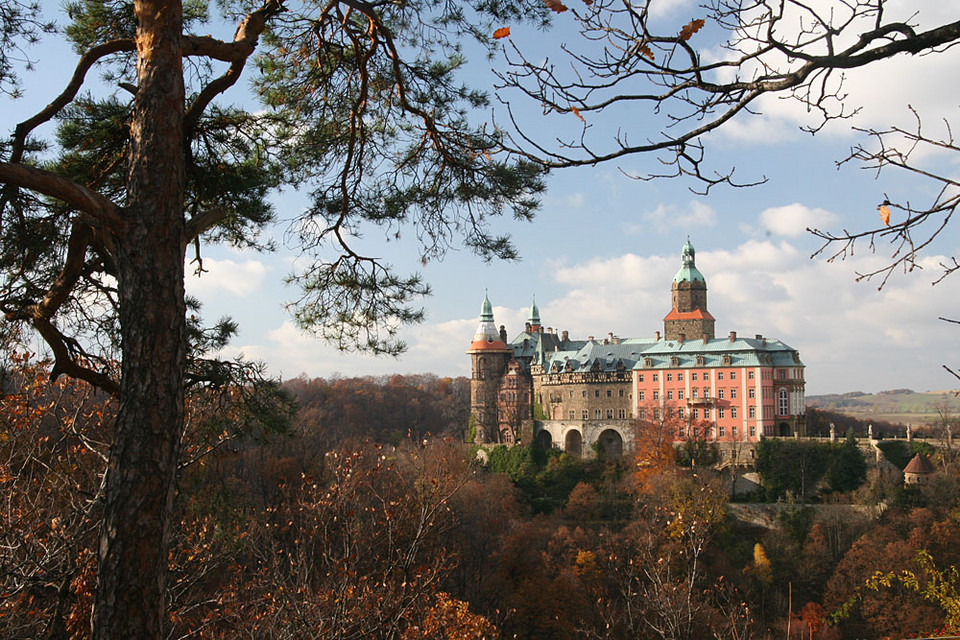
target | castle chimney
[
  {"x": 610, "y": 336},
  {"x": 527, "y": 327},
  {"x": 733, "y": 336},
  {"x": 503, "y": 334},
  {"x": 763, "y": 343},
  {"x": 759, "y": 336},
  {"x": 590, "y": 338},
  {"x": 681, "y": 337},
  {"x": 658, "y": 336},
  {"x": 565, "y": 336},
  {"x": 706, "y": 338}
]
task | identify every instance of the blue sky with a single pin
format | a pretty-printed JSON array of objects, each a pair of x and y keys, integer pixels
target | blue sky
[{"x": 602, "y": 252}]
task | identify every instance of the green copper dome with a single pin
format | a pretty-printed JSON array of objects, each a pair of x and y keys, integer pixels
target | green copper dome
[
  {"x": 486, "y": 309},
  {"x": 534, "y": 314},
  {"x": 688, "y": 271}
]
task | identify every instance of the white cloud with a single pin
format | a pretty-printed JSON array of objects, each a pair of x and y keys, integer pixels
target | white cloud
[
  {"x": 229, "y": 277},
  {"x": 668, "y": 216},
  {"x": 793, "y": 220}
]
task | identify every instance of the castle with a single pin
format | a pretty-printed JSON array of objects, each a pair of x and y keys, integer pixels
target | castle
[{"x": 543, "y": 388}]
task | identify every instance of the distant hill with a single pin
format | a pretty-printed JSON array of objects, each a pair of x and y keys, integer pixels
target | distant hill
[{"x": 894, "y": 405}]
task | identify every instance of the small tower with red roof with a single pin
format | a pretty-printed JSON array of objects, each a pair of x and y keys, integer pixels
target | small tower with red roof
[{"x": 488, "y": 355}]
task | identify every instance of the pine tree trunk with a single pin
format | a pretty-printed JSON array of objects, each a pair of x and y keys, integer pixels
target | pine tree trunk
[{"x": 129, "y": 601}]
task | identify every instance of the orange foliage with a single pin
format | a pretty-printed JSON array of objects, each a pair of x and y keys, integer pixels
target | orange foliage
[
  {"x": 555, "y": 5},
  {"x": 691, "y": 28},
  {"x": 502, "y": 32}
]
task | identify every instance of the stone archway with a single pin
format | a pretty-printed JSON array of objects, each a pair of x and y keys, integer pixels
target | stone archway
[
  {"x": 784, "y": 429},
  {"x": 611, "y": 443},
  {"x": 544, "y": 440},
  {"x": 573, "y": 443}
]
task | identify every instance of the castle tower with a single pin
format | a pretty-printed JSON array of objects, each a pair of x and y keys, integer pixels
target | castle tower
[
  {"x": 689, "y": 315},
  {"x": 488, "y": 355},
  {"x": 534, "y": 320}
]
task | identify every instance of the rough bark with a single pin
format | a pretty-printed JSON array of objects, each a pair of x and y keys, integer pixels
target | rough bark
[{"x": 141, "y": 474}]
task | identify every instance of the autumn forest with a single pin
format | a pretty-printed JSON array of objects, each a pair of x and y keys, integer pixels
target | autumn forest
[{"x": 362, "y": 514}]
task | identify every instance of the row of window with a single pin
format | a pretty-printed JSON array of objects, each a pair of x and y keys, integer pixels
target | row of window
[
  {"x": 598, "y": 414},
  {"x": 695, "y": 376},
  {"x": 721, "y": 432},
  {"x": 695, "y": 413}
]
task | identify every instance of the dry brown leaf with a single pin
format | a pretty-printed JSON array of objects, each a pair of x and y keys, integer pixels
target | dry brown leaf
[
  {"x": 884, "y": 214},
  {"x": 502, "y": 32},
  {"x": 576, "y": 112},
  {"x": 691, "y": 28},
  {"x": 645, "y": 51},
  {"x": 555, "y": 5}
]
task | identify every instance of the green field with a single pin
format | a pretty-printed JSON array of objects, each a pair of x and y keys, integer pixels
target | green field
[{"x": 897, "y": 405}]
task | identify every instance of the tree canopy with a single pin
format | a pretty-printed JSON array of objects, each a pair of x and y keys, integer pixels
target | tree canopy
[{"x": 357, "y": 103}]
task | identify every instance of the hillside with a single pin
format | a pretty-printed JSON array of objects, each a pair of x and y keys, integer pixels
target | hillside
[{"x": 895, "y": 405}]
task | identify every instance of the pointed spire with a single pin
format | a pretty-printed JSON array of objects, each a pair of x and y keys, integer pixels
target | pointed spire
[
  {"x": 534, "y": 318},
  {"x": 487, "y": 335},
  {"x": 688, "y": 270},
  {"x": 486, "y": 309}
]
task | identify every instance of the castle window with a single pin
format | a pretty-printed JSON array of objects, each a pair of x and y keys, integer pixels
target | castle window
[
  {"x": 621, "y": 393},
  {"x": 656, "y": 395},
  {"x": 721, "y": 413},
  {"x": 753, "y": 412},
  {"x": 680, "y": 377},
  {"x": 656, "y": 413},
  {"x": 733, "y": 394},
  {"x": 751, "y": 393},
  {"x": 693, "y": 376},
  {"x": 719, "y": 375},
  {"x": 596, "y": 393},
  {"x": 680, "y": 413},
  {"x": 609, "y": 393},
  {"x": 733, "y": 431},
  {"x": 680, "y": 394},
  {"x": 640, "y": 377},
  {"x": 573, "y": 415},
  {"x": 669, "y": 377},
  {"x": 669, "y": 395},
  {"x": 694, "y": 392},
  {"x": 726, "y": 360},
  {"x": 622, "y": 413},
  {"x": 749, "y": 375},
  {"x": 753, "y": 432},
  {"x": 701, "y": 360},
  {"x": 706, "y": 392},
  {"x": 643, "y": 413},
  {"x": 783, "y": 403},
  {"x": 719, "y": 394},
  {"x": 675, "y": 361},
  {"x": 648, "y": 362},
  {"x": 571, "y": 393},
  {"x": 733, "y": 412},
  {"x": 656, "y": 377},
  {"x": 782, "y": 374},
  {"x": 722, "y": 434},
  {"x": 641, "y": 396},
  {"x": 733, "y": 375},
  {"x": 597, "y": 414},
  {"x": 584, "y": 393},
  {"x": 695, "y": 414},
  {"x": 584, "y": 414},
  {"x": 609, "y": 414},
  {"x": 706, "y": 414}
]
